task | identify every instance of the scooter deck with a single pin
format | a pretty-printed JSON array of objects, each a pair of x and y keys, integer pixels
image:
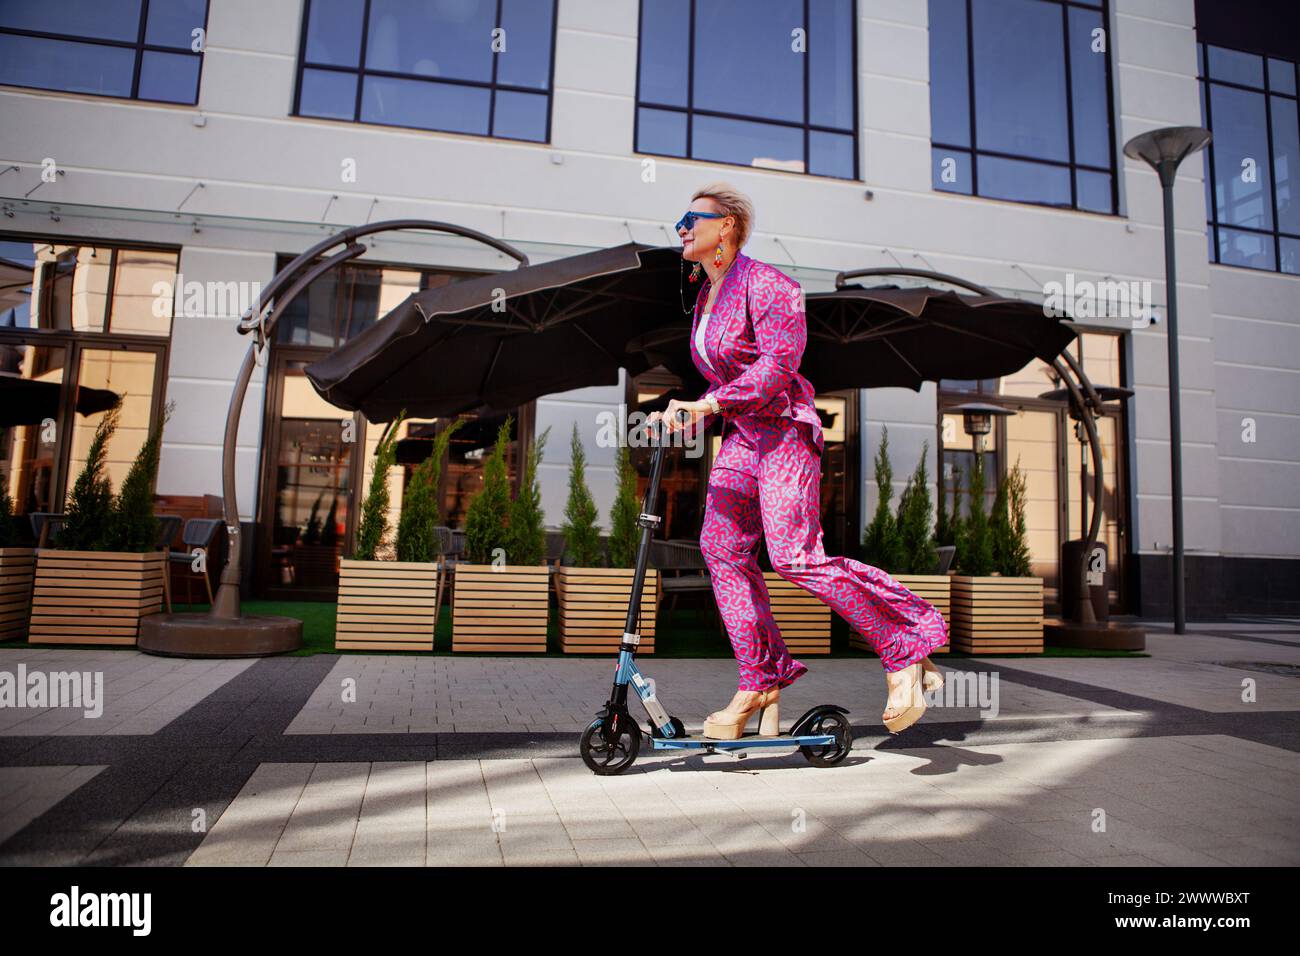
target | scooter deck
[{"x": 696, "y": 742}]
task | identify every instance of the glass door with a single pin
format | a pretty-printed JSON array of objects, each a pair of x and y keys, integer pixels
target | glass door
[{"x": 307, "y": 486}]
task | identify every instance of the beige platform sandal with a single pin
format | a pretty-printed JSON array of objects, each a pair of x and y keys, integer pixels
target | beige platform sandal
[
  {"x": 904, "y": 684},
  {"x": 729, "y": 724}
]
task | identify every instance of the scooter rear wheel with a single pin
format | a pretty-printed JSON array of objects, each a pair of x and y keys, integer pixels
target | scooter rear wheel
[
  {"x": 827, "y": 755},
  {"x": 607, "y": 754}
]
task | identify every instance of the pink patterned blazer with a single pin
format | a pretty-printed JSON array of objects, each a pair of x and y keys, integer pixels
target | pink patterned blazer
[{"x": 754, "y": 340}]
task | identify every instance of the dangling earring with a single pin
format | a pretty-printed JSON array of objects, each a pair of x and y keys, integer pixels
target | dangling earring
[
  {"x": 717, "y": 256},
  {"x": 695, "y": 273}
]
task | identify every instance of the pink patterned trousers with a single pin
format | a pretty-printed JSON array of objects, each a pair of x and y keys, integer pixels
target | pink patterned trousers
[{"x": 771, "y": 486}]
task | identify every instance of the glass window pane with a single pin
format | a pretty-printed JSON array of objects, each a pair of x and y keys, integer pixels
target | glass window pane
[
  {"x": 62, "y": 65},
  {"x": 1291, "y": 256},
  {"x": 830, "y": 154},
  {"x": 1020, "y": 90},
  {"x": 143, "y": 284},
  {"x": 30, "y": 452},
  {"x": 1251, "y": 249},
  {"x": 334, "y": 32},
  {"x": 665, "y": 38},
  {"x": 1023, "y": 181},
  {"x": 1281, "y": 76},
  {"x": 17, "y": 269},
  {"x": 1241, "y": 163},
  {"x": 950, "y": 170},
  {"x": 130, "y": 375},
  {"x": 173, "y": 23},
  {"x": 100, "y": 19},
  {"x": 415, "y": 103},
  {"x": 949, "y": 78},
  {"x": 1088, "y": 89},
  {"x": 170, "y": 77},
  {"x": 661, "y": 131},
  {"x": 72, "y": 290},
  {"x": 1093, "y": 191},
  {"x": 1286, "y": 164},
  {"x": 749, "y": 144},
  {"x": 526, "y": 60},
  {"x": 448, "y": 39},
  {"x": 744, "y": 61},
  {"x": 330, "y": 94},
  {"x": 1235, "y": 66},
  {"x": 311, "y": 317},
  {"x": 520, "y": 116},
  {"x": 831, "y": 71}
]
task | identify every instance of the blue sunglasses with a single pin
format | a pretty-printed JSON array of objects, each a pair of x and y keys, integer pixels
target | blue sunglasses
[{"x": 688, "y": 220}]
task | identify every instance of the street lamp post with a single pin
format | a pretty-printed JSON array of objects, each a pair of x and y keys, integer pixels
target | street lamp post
[{"x": 1164, "y": 149}]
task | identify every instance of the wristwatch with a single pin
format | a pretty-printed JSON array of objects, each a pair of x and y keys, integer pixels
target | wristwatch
[{"x": 713, "y": 403}]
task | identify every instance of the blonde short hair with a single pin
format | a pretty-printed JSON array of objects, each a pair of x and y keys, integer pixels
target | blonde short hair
[{"x": 731, "y": 202}]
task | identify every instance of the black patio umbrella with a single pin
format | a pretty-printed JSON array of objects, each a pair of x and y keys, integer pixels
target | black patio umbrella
[
  {"x": 574, "y": 322},
  {"x": 894, "y": 336},
  {"x": 27, "y": 401},
  {"x": 502, "y": 339}
]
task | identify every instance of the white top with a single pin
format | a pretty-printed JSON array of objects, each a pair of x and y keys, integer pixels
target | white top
[{"x": 699, "y": 340}]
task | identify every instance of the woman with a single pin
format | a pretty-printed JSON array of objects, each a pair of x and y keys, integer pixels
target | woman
[{"x": 747, "y": 338}]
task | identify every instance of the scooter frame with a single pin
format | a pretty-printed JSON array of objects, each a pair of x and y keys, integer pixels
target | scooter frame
[{"x": 822, "y": 734}]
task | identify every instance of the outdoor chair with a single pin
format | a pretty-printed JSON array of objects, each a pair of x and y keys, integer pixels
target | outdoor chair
[
  {"x": 681, "y": 570},
  {"x": 946, "y": 554},
  {"x": 198, "y": 533},
  {"x": 45, "y": 526}
]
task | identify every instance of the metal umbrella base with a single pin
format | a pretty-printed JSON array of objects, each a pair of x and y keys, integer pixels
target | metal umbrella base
[
  {"x": 1104, "y": 636},
  {"x": 203, "y": 635}
]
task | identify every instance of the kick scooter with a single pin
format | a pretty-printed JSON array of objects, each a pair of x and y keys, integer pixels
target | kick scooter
[{"x": 612, "y": 740}]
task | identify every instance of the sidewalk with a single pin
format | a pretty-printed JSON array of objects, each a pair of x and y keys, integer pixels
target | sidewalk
[{"x": 352, "y": 760}]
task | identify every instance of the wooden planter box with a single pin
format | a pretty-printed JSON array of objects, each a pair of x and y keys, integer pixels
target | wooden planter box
[
  {"x": 388, "y": 605},
  {"x": 94, "y": 597},
  {"x": 804, "y": 621},
  {"x": 997, "y": 615},
  {"x": 593, "y": 608},
  {"x": 935, "y": 588},
  {"x": 500, "y": 608},
  {"x": 17, "y": 568}
]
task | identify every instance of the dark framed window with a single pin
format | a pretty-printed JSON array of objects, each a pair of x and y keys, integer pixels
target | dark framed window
[
  {"x": 1252, "y": 165},
  {"x": 81, "y": 328},
  {"x": 1020, "y": 101},
  {"x": 731, "y": 81},
  {"x": 137, "y": 49},
  {"x": 483, "y": 67}
]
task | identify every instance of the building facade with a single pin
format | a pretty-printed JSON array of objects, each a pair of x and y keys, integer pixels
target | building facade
[{"x": 161, "y": 162}]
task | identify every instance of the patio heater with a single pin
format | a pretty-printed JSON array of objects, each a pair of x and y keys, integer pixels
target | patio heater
[{"x": 1164, "y": 149}]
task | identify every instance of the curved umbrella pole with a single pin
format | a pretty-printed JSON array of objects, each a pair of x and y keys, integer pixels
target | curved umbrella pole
[
  {"x": 1087, "y": 416},
  {"x": 261, "y": 319}
]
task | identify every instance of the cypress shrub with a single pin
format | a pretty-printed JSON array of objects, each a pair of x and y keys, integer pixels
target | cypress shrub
[
  {"x": 917, "y": 544},
  {"x": 132, "y": 525},
  {"x": 881, "y": 545},
  {"x": 420, "y": 512},
  {"x": 374, "y": 512},
  {"x": 486, "y": 518},
  {"x": 624, "y": 532},
  {"x": 581, "y": 533},
  {"x": 90, "y": 503},
  {"x": 977, "y": 547},
  {"x": 527, "y": 521}
]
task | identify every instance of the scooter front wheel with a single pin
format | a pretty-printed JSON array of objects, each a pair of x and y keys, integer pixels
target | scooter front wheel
[
  {"x": 610, "y": 751},
  {"x": 827, "y": 755}
]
